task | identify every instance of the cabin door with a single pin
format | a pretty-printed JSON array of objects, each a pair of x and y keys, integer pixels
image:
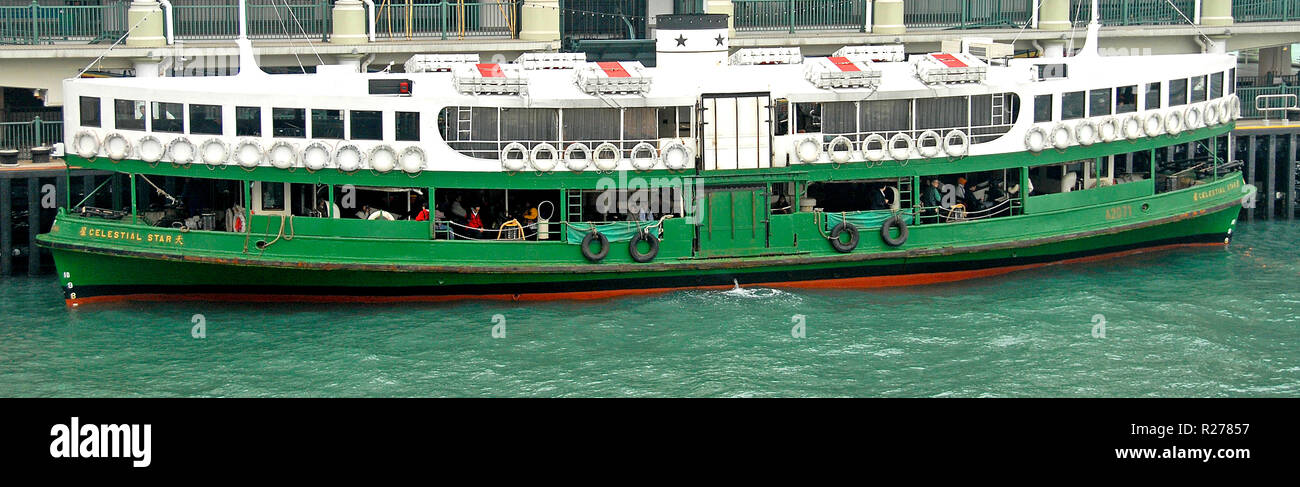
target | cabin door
[
  {"x": 736, "y": 131},
  {"x": 735, "y": 221}
]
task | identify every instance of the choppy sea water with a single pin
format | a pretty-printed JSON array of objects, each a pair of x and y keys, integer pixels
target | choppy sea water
[{"x": 1194, "y": 322}]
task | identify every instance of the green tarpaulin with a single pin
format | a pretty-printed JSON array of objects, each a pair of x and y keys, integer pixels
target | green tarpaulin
[
  {"x": 861, "y": 219},
  {"x": 615, "y": 232}
]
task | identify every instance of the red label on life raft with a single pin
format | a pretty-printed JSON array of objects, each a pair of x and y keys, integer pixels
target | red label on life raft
[
  {"x": 614, "y": 69},
  {"x": 490, "y": 70},
  {"x": 843, "y": 63},
  {"x": 948, "y": 60}
]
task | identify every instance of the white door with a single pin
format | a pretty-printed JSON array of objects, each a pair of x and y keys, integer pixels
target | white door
[{"x": 736, "y": 131}]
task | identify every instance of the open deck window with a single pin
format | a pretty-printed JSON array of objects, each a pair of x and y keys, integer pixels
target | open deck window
[
  {"x": 1177, "y": 92},
  {"x": 408, "y": 126},
  {"x": 885, "y": 116},
  {"x": 1043, "y": 108},
  {"x": 1199, "y": 89},
  {"x": 90, "y": 111},
  {"x": 128, "y": 114},
  {"x": 205, "y": 119},
  {"x": 326, "y": 124},
  {"x": 366, "y": 124},
  {"x": 1216, "y": 85},
  {"x": 1072, "y": 105},
  {"x": 248, "y": 121},
  {"x": 1099, "y": 102},
  {"x": 1153, "y": 96},
  {"x": 168, "y": 117},
  {"x": 1126, "y": 99},
  {"x": 288, "y": 122}
]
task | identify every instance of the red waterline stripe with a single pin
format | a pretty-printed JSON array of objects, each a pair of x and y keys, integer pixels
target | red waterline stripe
[{"x": 846, "y": 283}]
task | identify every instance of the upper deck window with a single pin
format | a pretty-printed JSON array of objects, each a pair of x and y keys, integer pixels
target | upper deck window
[
  {"x": 1177, "y": 92},
  {"x": 591, "y": 124},
  {"x": 168, "y": 117},
  {"x": 947, "y": 112},
  {"x": 408, "y": 126},
  {"x": 248, "y": 121},
  {"x": 205, "y": 119},
  {"x": 1052, "y": 71},
  {"x": 1232, "y": 81},
  {"x": 885, "y": 116},
  {"x": 1099, "y": 102},
  {"x": 1072, "y": 105},
  {"x": 90, "y": 111},
  {"x": 1216, "y": 85},
  {"x": 326, "y": 124},
  {"x": 1199, "y": 89},
  {"x": 530, "y": 124},
  {"x": 288, "y": 122},
  {"x": 1126, "y": 99},
  {"x": 1043, "y": 108},
  {"x": 366, "y": 125},
  {"x": 1153, "y": 96},
  {"x": 128, "y": 114}
]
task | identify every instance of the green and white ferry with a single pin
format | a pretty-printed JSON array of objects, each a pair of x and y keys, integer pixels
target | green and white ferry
[{"x": 554, "y": 177}]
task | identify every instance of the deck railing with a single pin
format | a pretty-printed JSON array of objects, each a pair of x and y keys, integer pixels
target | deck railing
[
  {"x": 447, "y": 19},
  {"x": 267, "y": 19},
  {"x": 967, "y": 14},
  {"x": 25, "y": 135},
  {"x": 1265, "y": 10},
  {"x": 796, "y": 15},
  {"x": 1135, "y": 12},
  {"x": 1250, "y": 95}
]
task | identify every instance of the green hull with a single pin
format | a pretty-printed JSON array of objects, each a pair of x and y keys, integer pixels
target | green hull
[{"x": 102, "y": 260}]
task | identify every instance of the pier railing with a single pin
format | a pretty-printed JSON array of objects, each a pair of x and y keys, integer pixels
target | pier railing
[
  {"x": 1135, "y": 12},
  {"x": 267, "y": 19},
  {"x": 45, "y": 24},
  {"x": 25, "y": 135},
  {"x": 964, "y": 14},
  {"x": 796, "y": 15},
  {"x": 1265, "y": 10},
  {"x": 447, "y": 19},
  {"x": 1275, "y": 102}
]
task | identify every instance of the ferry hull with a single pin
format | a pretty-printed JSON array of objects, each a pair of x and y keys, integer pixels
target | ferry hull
[{"x": 99, "y": 275}]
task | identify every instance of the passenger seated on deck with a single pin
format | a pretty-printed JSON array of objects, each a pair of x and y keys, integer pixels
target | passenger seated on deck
[
  {"x": 972, "y": 200},
  {"x": 930, "y": 198},
  {"x": 475, "y": 223}
]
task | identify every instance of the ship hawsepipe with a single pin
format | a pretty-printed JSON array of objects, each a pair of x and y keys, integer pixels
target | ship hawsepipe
[{"x": 868, "y": 168}]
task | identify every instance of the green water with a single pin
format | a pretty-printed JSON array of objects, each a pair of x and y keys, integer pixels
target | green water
[{"x": 1196, "y": 322}]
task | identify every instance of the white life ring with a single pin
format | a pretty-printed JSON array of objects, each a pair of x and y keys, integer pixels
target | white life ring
[
  {"x": 181, "y": 151},
  {"x": 1132, "y": 127},
  {"x": 214, "y": 152},
  {"x": 875, "y": 155},
  {"x": 574, "y": 162},
  {"x": 151, "y": 149},
  {"x": 117, "y": 147},
  {"x": 316, "y": 156},
  {"x": 808, "y": 150},
  {"x": 544, "y": 164},
  {"x": 961, "y": 148},
  {"x": 381, "y": 215},
  {"x": 249, "y": 153},
  {"x": 1192, "y": 117},
  {"x": 1215, "y": 113},
  {"x": 1174, "y": 123},
  {"x": 383, "y": 158},
  {"x": 282, "y": 154},
  {"x": 928, "y": 151},
  {"x": 1085, "y": 132},
  {"x": 1061, "y": 136},
  {"x": 1108, "y": 129},
  {"x": 1036, "y": 139},
  {"x": 87, "y": 144},
  {"x": 840, "y": 156},
  {"x": 677, "y": 156},
  {"x": 643, "y": 162},
  {"x": 412, "y": 160},
  {"x": 901, "y": 153},
  {"x": 509, "y": 163},
  {"x": 607, "y": 163},
  {"x": 1154, "y": 124},
  {"x": 1234, "y": 110},
  {"x": 349, "y": 157}
]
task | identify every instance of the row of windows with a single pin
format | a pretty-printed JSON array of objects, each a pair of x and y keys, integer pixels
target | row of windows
[
  {"x": 285, "y": 122},
  {"x": 1124, "y": 99},
  {"x": 986, "y": 117}
]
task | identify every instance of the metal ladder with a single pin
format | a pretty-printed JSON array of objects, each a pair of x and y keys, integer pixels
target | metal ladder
[
  {"x": 464, "y": 122},
  {"x": 999, "y": 109},
  {"x": 575, "y": 205}
]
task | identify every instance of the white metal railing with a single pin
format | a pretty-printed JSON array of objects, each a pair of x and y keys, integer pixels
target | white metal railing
[{"x": 1290, "y": 103}]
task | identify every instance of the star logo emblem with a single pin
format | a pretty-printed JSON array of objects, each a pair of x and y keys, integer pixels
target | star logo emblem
[
  {"x": 681, "y": 40},
  {"x": 720, "y": 39}
]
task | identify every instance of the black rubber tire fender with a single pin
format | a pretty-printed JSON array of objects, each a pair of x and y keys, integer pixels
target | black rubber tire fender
[
  {"x": 632, "y": 247},
  {"x": 586, "y": 246},
  {"x": 840, "y": 246},
  {"x": 894, "y": 222}
]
